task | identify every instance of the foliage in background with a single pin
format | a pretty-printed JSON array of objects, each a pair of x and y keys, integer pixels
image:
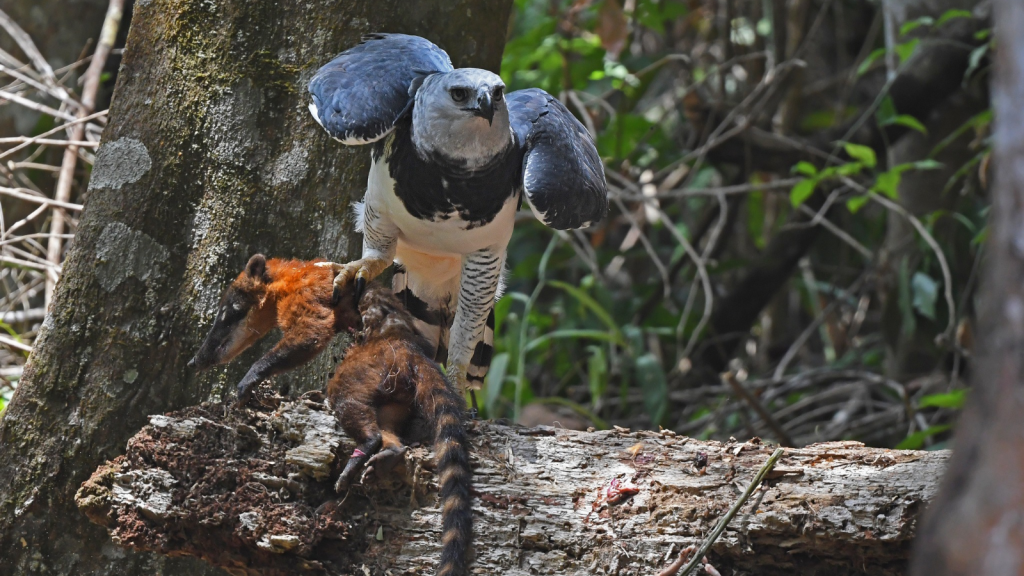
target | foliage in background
[{"x": 616, "y": 322}]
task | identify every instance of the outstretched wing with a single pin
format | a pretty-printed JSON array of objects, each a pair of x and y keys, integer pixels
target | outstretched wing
[
  {"x": 562, "y": 172},
  {"x": 358, "y": 96}
]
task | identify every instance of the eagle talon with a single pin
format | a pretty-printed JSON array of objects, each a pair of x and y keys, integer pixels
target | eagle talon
[
  {"x": 335, "y": 296},
  {"x": 475, "y": 410},
  {"x": 360, "y": 285}
]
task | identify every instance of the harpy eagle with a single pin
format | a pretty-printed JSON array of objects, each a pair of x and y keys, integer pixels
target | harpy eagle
[{"x": 452, "y": 157}]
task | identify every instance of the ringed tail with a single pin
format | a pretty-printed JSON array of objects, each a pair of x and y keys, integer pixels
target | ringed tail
[{"x": 454, "y": 480}]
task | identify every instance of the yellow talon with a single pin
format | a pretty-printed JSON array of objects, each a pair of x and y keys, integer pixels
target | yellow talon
[{"x": 361, "y": 271}]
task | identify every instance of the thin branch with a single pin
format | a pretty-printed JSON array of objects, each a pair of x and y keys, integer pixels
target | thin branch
[
  {"x": 705, "y": 279},
  {"x": 724, "y": 522},
  {"x": 837, "y": 232},
  {"x": 655, "y": 259},
  {"x": 8, "y": 341},
  {"x": 4, "y": 95},
  {"x": 29, "y": 48},
  {"x": 940, "y": 256},
  {"x": 30, "y": 140},
  {"x": 784, "y": 184},
  {"x": 108, "y": 35},
  {"x": 61, "y": 94},
  {"x": 744, "y": 394},
  {"x": 60, "y": 128},
  {"x": 22, "y": 194},
  {"x": 33, "y": 265}
]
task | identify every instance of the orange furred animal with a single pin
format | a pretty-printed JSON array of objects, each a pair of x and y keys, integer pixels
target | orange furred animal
[
  {"x": 386, "y": 380},
  {"x": 292, "y": 294}
]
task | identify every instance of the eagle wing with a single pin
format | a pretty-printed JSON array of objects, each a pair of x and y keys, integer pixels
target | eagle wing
[
  {"x": 358, "y": 96},
  {"x": 563, "y": 176}
]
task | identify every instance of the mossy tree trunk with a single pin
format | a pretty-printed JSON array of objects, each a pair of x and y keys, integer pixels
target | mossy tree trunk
[{"x": 210, "y": 156}]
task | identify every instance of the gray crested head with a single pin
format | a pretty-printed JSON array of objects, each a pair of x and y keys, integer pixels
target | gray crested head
[{"x": 462, "y": 117}]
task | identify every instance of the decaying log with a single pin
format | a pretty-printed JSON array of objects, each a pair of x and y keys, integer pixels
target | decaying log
[{"x": 250, "y": 491}]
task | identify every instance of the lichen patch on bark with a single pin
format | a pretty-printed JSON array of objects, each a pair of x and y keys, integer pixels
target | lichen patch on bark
[
  {"x": 120, "y": 162},
  {"x": 123, "y": 253}
]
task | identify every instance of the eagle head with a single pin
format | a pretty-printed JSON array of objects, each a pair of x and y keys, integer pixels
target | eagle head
[{"x": 462, "y": 117}]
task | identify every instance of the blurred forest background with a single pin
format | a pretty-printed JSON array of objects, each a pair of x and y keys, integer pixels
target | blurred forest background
[{"x": 799, "y": 204}]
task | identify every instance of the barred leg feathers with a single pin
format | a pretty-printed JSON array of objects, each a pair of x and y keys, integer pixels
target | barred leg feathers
[
  {"x": 482, "y": 354},
  {"x": 470, "y": 347},
  {"x": 454, "y": 481}
]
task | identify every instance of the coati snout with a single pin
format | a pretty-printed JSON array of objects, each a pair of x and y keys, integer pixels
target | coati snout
[
  {"x": 292, "y": 294},
  {"x": 242, "y": 317}
]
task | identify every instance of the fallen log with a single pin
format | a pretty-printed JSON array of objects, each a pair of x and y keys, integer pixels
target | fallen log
[{"x": 251, "y": 491}]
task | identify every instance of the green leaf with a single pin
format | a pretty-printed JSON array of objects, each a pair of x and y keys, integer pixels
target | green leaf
[
  {"x": 954, "y": 399},
  {"x": 928, "y": 164},
  {"x": 802, "y": 191},
  {"x": 916, "y": 440},
  {"x": 495, "y": 381},
  {"x": 850, "y": 168},
  {"x": 975, "y": 60},
  {"x": 856, "y": 203},
  {"x": 926, "y": 292},
  {"x": 862, "y": 153},
  {"x": 818, "y": 120},
  {"x": 653, "y": 385},
  {"x": 570, "y": 334},
  {"x": 589, "y": 302},
  {"x": 953, "y": 15},
  {"x": 906, "y": 49},
  {"x": 805, "y": 168},
  {"x": 654, "y": 14},
  {"x": 980, "y": 237},
  {"x": 871, "y": 58},
  {"x": 597, "y": 373},
  {"x": 908, "y": 121},
  {"x": 915, "y": 24},
  {"x": 888, "y": 182},
  {"x": 978, "y": 121},
  {"x": 886, "y": 111}
]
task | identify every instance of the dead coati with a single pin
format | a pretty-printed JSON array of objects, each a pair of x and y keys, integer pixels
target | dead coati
[{"x": 387, "y": 379}]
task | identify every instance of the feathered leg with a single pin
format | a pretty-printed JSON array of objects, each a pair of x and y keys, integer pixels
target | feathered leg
[
  {"x": 380, "y": 242},
  {"x": 469, "y": 352}
]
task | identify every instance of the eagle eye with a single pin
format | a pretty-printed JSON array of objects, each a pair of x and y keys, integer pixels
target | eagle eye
[
  {"x": 459, "y": 94},
  {"x": 498, "y": 94}
]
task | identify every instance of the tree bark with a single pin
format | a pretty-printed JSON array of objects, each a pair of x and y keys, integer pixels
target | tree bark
[
  {"x": 975, "y": 525},
  {"x": 251, "y": 490},
  {"x": 61, "y": 30},
  {"x": 210, "y": 156}
]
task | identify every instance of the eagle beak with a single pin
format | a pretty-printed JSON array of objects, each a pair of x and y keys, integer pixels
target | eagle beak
[{"x": 485, "y": 107}]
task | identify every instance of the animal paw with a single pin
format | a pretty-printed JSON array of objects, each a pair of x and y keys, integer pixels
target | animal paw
[
  {"x": 245, "y": 388},
  {"x": 355, "y": 462},
  {"x": 384, "y": 461}
]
